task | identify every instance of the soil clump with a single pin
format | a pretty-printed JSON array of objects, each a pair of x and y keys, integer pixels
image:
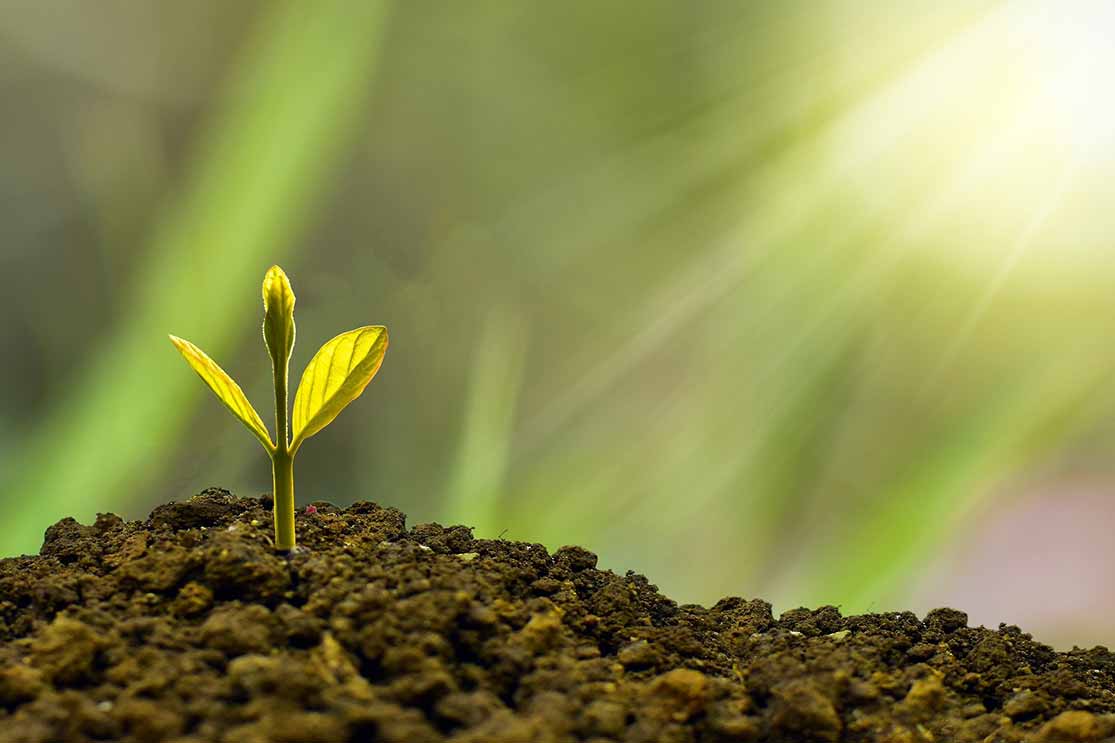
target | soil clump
[{"x": 189, "y": 628}]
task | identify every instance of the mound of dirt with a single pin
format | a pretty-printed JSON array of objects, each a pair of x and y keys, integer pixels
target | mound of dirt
[{"x": 189, "y": 628}]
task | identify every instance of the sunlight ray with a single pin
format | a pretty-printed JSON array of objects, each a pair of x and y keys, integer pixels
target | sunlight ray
[
  {"x": 756, "y": 235},
  {"x": 1010, "y": 261}
]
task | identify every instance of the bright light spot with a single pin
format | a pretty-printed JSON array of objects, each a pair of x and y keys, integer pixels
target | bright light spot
[
  {"x": 1013, "y": 116},
  {"x": 1074, "y": 61}
]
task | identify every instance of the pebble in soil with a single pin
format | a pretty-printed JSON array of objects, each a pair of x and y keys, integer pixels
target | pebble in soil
[{"x": 188, "y": 628}]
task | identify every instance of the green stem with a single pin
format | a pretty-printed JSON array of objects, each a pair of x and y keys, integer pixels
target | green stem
[
  {"x": 282, "y": 470},
  {"x": 282, "y": 459}
]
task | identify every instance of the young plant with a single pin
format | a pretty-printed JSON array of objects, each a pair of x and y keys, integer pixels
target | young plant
[{"x": 336, "y": 376}]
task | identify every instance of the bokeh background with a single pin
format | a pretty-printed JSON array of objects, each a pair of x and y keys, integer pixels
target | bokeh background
[{"x": 811, "y": 301}]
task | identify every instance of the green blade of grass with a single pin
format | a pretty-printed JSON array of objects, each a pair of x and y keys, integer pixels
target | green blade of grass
[
  {"x": 284, "y": 122},
  {"x": 484, "y": 451}
]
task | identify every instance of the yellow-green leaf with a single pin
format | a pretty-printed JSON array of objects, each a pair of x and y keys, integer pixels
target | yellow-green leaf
[
  {"x": 278, "y": 316},
  {"x": 336, "y": 376},
  {"x": 224, "y": 387}
]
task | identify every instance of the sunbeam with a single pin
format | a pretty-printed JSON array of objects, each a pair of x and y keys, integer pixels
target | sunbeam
[{"x": 1025, "y": 241}]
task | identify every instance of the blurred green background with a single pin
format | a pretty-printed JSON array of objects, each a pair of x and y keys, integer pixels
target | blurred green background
[{"x": 810, "y": 301}]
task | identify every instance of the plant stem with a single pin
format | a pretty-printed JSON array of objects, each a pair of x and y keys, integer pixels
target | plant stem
[
  {"x": 282, "y": 470},
  {"x": 282, "y": 460}
]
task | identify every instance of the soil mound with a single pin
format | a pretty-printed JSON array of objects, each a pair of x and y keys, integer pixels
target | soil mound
[{"x": 189, "y": 628}]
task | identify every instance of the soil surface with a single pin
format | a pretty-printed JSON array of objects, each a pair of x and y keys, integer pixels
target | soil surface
[{"x": 189, "y": 628}]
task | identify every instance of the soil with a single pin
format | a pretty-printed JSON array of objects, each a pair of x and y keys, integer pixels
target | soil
[{"x": 188, "y": 627}]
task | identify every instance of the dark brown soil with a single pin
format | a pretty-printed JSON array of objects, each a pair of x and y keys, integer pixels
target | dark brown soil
[{"x": 190, "y": 628}]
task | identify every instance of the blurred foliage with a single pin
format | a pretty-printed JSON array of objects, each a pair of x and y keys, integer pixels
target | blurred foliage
[{"x": 757, "y": 298}]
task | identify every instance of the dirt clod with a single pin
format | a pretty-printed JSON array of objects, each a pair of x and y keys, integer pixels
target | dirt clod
[
  {"x": 189, "y": 628},
  {"x": 64, "y": 651}
]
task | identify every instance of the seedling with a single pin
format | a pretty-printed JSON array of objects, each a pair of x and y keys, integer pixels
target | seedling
[{"x": 336, "y": 376}]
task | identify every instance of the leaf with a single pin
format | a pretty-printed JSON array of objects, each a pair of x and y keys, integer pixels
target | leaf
[
  {"x": 225, "y": 388},
  {"x": 336, "y": 376},
  {"x": 278, "y": 317}
]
